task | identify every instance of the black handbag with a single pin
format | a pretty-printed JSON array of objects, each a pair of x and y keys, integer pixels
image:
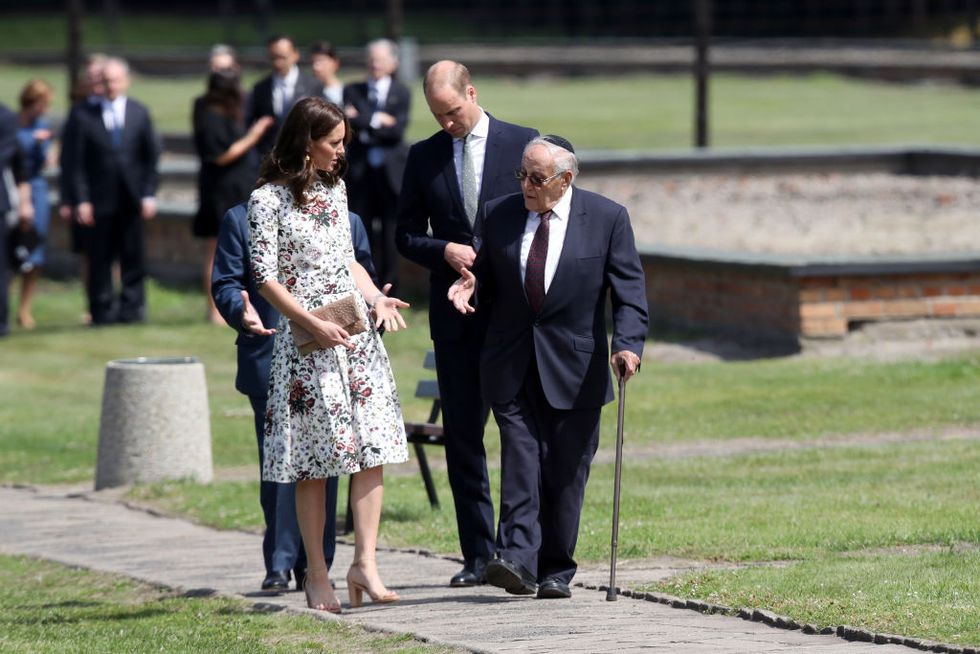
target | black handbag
[{"x": 21, "y": 242}]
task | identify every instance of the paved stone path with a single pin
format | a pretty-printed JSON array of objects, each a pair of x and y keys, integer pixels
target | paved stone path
[{"x": 92, "y": 531}]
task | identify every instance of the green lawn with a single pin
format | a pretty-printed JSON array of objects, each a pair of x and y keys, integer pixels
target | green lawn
[
  {"x": 835, "y": 513},
  {"x": 643, "y": 112},
  {"x": 47, "y": 608}
]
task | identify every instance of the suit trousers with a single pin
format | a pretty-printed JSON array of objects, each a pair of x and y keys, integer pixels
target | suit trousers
[
  {"x": 117, "y": 235},
  {"x": 4, "y": 327},
  {"x": 464, "y": 416},
  {"x": 282, "y": 544},
  {"x": 376, "y": 202},
  {"x": 546, "y": 454}
]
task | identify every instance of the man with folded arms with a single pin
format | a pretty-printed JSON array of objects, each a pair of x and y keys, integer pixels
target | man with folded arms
[{"x": 549, "y": 257}]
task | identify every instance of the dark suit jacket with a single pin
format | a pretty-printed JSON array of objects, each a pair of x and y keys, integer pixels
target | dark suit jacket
[
  {"x": 568, "y": 337},
  {"x": 431, "y": 196},
  {"x": 232, "y": 274},
  {"x": 112, "y": 178},
  {"x": 398, "y": 103},
  {"x": 260, "y": 104},
  {"x": 8, "y": 158}
]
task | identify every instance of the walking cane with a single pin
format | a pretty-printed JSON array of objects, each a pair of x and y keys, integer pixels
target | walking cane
[{"x": 611, "y": 591}]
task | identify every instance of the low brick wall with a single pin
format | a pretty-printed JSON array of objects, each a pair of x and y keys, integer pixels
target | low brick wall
[
  {"x": 828, "y": 305},
  {"x": 785, "y": 298}
]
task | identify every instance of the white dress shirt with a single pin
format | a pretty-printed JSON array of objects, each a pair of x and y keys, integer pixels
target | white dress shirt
[
  {"x": 380, "y": 90},
  {"x": 283, "y": 91},
  {"x": 557, "y": 226},
  {"x": 334, "y": 94},
  {"x": 114, "y": 113},
  {"x": 478, "y": 141}
]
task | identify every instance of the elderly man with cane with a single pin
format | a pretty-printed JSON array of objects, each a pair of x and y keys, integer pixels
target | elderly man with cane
[{"x": 550, "y": 256}]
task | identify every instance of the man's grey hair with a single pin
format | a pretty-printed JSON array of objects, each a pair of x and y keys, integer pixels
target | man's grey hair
[
  {"x": 386, "y": 43},
  {"x": 564, "y": 160},
  {"x": 220, "y": 49},
  {"x": 117, "y": 61}
]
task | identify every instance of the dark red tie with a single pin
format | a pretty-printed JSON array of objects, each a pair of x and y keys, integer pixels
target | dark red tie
[{"x": 534, "y": 270}]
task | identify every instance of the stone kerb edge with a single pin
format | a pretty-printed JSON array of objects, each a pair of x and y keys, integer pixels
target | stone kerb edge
[{"x": 771, "y": 619}]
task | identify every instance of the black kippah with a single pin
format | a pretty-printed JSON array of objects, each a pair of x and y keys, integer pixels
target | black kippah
[{"x": 559, "y": 141}]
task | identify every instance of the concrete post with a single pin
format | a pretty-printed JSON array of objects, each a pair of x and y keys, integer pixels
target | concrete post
[{"x": 155, "y": 422}]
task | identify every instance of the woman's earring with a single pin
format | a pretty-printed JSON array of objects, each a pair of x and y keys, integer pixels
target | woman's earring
[{"x": 307, "y": 158}]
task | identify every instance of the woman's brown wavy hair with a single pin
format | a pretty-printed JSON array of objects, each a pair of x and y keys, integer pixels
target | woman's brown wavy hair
[{"x": 309, "y": 120}]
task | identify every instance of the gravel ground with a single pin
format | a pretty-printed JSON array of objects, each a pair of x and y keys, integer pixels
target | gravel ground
[{"x": 801, "y": 214}]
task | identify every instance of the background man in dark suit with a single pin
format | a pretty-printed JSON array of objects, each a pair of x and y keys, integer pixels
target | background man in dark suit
[
  {"x": 11, "y": 158},
  {"x": 276, "y": 94},
  {"x": 448, "y": 179},
  {"x": 548, "y": 258},
  {"x": 113, "y": 178},
  {"x": 254, "y": 319},
  {"x": 378, "y": 112}
]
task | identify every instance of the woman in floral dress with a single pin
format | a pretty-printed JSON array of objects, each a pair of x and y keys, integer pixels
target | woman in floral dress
[{"x": 334, "y": 411}]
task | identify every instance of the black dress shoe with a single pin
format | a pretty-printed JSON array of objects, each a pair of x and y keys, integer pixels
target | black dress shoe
[
  {"x": 276, "y": 581},
  {"x": 472, "y": 574},
  {"x": 512, "y": 577},
  {"x": 552, "y": 588}
]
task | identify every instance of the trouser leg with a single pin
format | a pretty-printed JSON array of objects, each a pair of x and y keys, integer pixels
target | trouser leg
[{"x": 464, "y": 416}]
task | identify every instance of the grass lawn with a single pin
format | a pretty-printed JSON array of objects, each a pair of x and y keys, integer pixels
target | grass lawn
[
  {"x": 827, "y": 511},
  {"x": 63, "y": 609},
  {"x": 642, "y": 112}
]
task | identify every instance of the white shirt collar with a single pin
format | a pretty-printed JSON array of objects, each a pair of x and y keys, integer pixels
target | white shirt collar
[
  {"x": 381, "y": 85},
  {"x": 482, "y": 127},
  {"x": 290, "y": 78},
  {"x": 563, "y": 207}
]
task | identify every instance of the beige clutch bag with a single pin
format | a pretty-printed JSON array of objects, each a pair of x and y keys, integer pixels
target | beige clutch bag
[{"x": 344, "y": 312}]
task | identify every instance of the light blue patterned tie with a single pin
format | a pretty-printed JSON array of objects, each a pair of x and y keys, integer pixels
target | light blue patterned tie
[{"x": 471, "y": 198}]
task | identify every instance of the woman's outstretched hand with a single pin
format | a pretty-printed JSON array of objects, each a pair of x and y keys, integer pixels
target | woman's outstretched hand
[{"x": 386, "y": 312}]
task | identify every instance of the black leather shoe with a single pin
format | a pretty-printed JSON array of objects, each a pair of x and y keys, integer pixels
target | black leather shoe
[
  {"x": 512, "y": 577},
  {"x": 276, "y": 581},
  {"x": 472, "y": 574},
  {"x": 552, "y": 588}
]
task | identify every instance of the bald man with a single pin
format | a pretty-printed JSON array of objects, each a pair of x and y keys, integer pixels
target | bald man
[{"x": 448, "y": 179}]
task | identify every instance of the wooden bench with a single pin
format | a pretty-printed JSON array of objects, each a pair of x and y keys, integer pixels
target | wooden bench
[{"x": 419, "y": 434}]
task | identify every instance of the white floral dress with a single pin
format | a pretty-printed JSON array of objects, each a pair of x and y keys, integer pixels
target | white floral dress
[{"x": 334, "y": 411}]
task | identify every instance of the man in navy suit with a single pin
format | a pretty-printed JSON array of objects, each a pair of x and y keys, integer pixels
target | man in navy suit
[
  {"x": 549, "y": 257},
  {"x": 253, "y": 317},
  {"x": 378, "y": 112},
  {"x": 113, "y": 179},
  {"x": 275, "y": 94},
  {"x": 449, "y": 178}
]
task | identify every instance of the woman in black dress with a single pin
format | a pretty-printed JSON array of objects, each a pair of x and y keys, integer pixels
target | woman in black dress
[{"x": 227, "y": 172}]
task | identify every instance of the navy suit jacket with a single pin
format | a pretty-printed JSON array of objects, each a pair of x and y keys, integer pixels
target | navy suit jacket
[
  {"x": 431, "y": 197},
  {"x": 568, "y": 337},
  {"x": 112, "y": 178},
  {"x": 260, "y": 104},
  {"x": 397, "y": 103},
  {"x": 232, "y": 274}
]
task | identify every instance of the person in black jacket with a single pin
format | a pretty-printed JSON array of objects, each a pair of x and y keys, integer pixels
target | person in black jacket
[
  {"x": 113, "y": 178},
  {"x": 441, "y": 199},
  {"x": 276, "y": 94},
  {"x": 226, "y": 175},
  {"x": 378, "y": 112}
]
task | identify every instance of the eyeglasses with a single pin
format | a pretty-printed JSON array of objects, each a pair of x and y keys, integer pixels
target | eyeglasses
[{"x": 534, "y": 180}]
